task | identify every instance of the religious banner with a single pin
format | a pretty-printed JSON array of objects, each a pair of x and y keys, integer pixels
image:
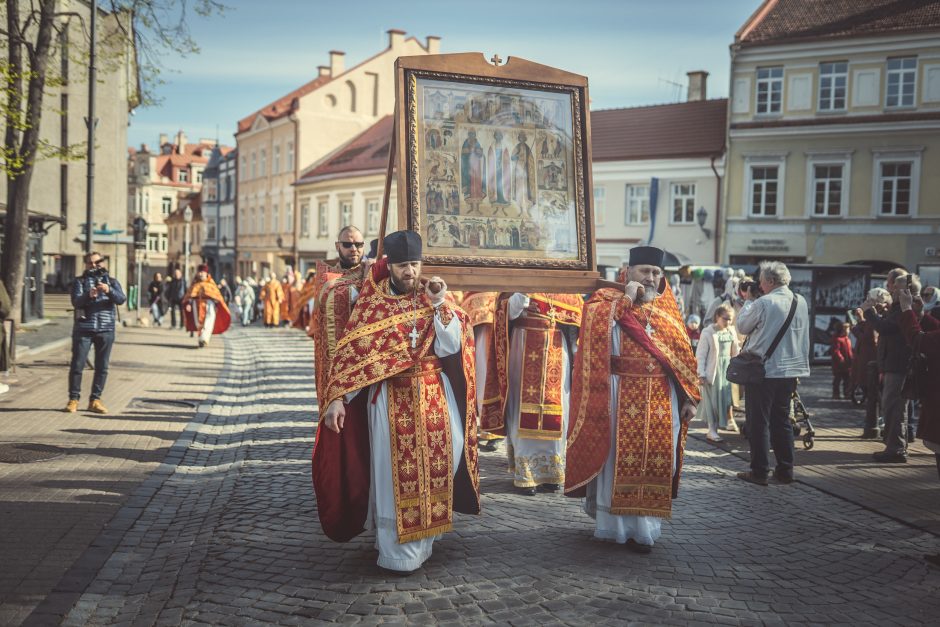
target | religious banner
[{"x": 495, "y": 170}]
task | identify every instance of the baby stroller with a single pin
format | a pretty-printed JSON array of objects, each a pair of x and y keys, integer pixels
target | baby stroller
[{"x": 799, "y": 419}]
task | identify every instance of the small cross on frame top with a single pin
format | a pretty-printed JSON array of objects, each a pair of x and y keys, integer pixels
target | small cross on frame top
[
  {"x": 414, "y": 337},
  {"x": 496, "y": 60}
]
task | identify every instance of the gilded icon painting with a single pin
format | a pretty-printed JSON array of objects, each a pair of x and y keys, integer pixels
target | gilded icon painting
[{"x": 495, "y": 172}]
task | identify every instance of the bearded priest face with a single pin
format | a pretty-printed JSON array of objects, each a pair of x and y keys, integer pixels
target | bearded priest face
[
  {"x": 647, "y": 275},
  {"x": 405, "y": 276}
]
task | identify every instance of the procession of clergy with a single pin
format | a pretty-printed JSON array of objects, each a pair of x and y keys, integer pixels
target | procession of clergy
[{"x": 592, "y": 397}]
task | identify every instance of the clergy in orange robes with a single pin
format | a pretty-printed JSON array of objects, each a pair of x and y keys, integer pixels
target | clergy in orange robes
[
  {"x": 527, "y": 392},
  {"x": 396, "y": 447},
  {"x": 206, "y": 311},
  {"x": 634, "y": 391},
  {"x": 272, "y": 295}
]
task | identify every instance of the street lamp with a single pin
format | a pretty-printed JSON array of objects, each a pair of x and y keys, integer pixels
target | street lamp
[
  {"x": 188, "y": 218},
  {"x": 702, "y": 216}
]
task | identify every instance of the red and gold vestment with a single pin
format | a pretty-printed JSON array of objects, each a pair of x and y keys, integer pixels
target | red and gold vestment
[
  {"x": 644, "y": 482},
  {"x": 390, "y": 339},
  {"x": 542, "y": 375}
]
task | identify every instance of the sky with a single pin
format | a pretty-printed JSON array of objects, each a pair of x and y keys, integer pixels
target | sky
[{"x": 633, "y": 52}]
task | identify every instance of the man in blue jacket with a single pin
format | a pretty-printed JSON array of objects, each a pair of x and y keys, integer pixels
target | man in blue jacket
[{"x": 95, "y": 295}]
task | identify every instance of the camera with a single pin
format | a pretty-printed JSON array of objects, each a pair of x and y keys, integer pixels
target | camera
[{"x": 752, "y": 288}]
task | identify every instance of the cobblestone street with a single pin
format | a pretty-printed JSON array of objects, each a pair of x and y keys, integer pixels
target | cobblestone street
[{"x": 225, "y": 532}]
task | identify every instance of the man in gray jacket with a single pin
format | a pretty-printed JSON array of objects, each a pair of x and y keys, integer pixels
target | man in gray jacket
[{"x": 767, "y": 404}]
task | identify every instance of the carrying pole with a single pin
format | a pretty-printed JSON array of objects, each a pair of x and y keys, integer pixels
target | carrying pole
[{"x": 392, "y": 150}]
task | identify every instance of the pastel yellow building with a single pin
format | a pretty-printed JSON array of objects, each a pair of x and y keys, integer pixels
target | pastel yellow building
[
  {"x": 297, "y": 131},
  {"x": 834, "y": 130}
]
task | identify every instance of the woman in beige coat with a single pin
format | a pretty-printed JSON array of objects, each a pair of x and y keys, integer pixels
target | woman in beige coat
[{"x": 716, "y": 347}]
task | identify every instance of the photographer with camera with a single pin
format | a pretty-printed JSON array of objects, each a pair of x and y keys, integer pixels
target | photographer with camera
[
  {"x": 776, "y": 322},
  {"x": 894, "y": 355},
  {"x": 95, "y": 295}
]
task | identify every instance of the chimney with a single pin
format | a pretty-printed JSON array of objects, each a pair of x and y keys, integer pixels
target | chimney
[
  {"x": 324, "y": 70},
  {"x": 696, "y": 85},
  {"x": 163, "y": 139},
  {"x": 336, "y": 62},
  {"x": 181, "y": 142},
  {"x": 144, "y": 149},
  {"x": 434, "y": 44},
  {"x": 395, "y": 38}
]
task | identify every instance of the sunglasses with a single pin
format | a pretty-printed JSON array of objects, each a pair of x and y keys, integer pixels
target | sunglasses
[
  {"x": 97, "y": 262},
  {"x": 351, "y": 244}
]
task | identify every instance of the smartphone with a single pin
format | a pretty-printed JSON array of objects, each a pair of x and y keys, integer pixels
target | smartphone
[
  {"x": 910, "y": 280},
  {"x": 851, "y": 316}
]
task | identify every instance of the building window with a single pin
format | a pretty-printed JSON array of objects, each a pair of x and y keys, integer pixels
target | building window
[
  {"x": 264, "y": 163},
  {"x": 833, "y": 79},
  {"x": 638, "y": 204},
  {"x": 290, "y": 156},
  {"x": 210, "y": 229},
  {"x": 288, "y": 217},
  {"x": 183, "y": 176},
  {"x": 345, "y": 213},
  {"x": 262, "y": 225},
  {"x": 305, "y": 220},
  {"x": 322, "y": 222},
  {"x": 252, "y": 223},
  {"x": 769, "y": 90},
  {"x": 244, "y": 168},
  {"x": 372, "y": 217},
  {"x": 199, "y": 176},
  {"x": 600, "y": 205},
  {"x": 163, "y": 242},
  {"x": 895, "y": 184},
  {"x": 764, "y": 182},
  {"x": 902, "y": 79},
  {"x": 827, "y": 190},
  {"x": 254, "y": 165},
  {"x": 153, "y": 242},
  {"x": 683, "y": 203},
  {"x": 275, "y": 219},
  {"x": 166, "y": 205},
  {"x": 276, "y": 165}
]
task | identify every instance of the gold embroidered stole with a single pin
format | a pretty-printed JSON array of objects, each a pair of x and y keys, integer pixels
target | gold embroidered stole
[
  {"x": 541, "y": 378},
  {"x": 422, "y": 452},
  {"x": 643, "y": 471}
]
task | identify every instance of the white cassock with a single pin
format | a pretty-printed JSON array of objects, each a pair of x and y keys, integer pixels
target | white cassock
[
  {"x": 535, "y": 461},
  {"x": 643, "y": 529},
  {"x": 382, "y": 515},
  {"x": 205, "y": 334}
]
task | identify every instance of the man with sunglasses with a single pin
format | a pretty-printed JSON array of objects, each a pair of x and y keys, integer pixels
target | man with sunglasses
[
  {"x": 95, "y": 295},
  {"x": 349, "y": 247}
]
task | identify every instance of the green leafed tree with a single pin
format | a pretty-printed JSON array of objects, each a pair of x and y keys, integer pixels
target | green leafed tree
[{"x": 33, "y": 37}]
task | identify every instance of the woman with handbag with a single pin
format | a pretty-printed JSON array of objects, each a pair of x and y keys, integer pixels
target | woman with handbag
[
  {"x": 922, "y": 333},
  {"x": 717, "y": 345}
]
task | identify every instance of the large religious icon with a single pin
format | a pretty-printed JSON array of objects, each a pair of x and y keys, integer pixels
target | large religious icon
[{"x": 494, "y": 163}]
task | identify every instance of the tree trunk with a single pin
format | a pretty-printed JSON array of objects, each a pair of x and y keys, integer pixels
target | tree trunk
[{"x": 16, "y": 226}]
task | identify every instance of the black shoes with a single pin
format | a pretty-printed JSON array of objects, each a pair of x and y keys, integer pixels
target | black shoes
[
  {"x": 636, "y": 547},
  {"x": 783, "y": 477},
  {"x": 550, "y": 488},
  {"x": 527, "y": 491},
  {"x": 885, "y": 457}
]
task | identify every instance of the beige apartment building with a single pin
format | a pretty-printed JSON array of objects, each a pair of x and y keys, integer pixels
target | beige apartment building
[
  {"x": 177, "y": 226},
  {"x": 834, "y": 134},
  {"x": 155, "y": 183},
  {"x": 346, "y": 188},
  {"x": 657, "y": 174},
  {"x": 58, "y": 191},
  {"x": 297, "y": 131}
]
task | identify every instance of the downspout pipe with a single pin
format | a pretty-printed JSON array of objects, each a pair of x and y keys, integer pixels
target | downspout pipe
[{"x": 717, "y": 206}]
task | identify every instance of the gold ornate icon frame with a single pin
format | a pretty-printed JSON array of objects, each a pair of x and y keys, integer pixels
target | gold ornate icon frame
[{"x": 559, "y": 203}]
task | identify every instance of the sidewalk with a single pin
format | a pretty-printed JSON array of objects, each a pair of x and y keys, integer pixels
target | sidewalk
[
  {"x": 841, "y": 464},
  {"x": 52, "y": 511}
]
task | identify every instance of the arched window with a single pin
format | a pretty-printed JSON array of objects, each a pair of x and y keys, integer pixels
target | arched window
[{"x": 330, "y": 100}]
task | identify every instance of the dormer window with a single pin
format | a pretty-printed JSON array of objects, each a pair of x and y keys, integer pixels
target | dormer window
[{"x": 183, "y": 176}]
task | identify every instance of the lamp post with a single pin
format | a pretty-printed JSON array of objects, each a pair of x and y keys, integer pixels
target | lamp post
[{"x": 188, "y": 218}]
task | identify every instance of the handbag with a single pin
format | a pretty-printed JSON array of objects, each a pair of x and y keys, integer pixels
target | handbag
[
  {"x": 915, "y": 379},
  {"x": 747, "y": 368}
]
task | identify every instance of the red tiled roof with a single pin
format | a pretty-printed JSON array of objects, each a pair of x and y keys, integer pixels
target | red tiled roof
[
  {"x": 283, "y": 105},
  {"x": 791, "y": 20},
  {"x": 365, "y": 152},
  {"x": 687, "y": 129}
]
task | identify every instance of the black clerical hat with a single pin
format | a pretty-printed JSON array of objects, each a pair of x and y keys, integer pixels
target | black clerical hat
[
  {"x": 402, "y": 246},
  {"x": 647, "y": 256}
]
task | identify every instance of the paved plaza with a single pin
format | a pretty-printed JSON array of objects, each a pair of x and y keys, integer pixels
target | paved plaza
[{"x": 222, "y": 529}]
